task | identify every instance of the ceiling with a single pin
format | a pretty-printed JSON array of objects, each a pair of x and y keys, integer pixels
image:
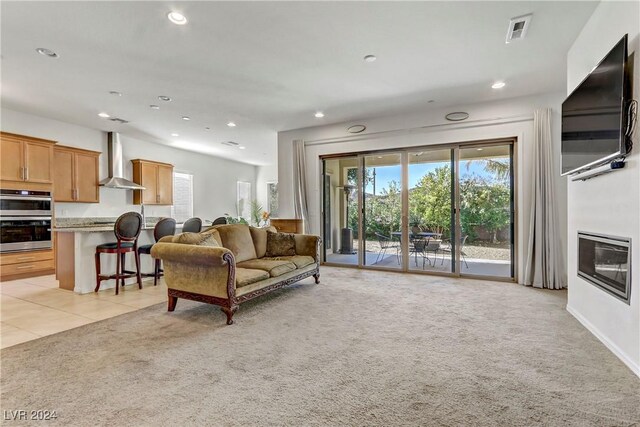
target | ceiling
[{"x": 269, "y": 66}]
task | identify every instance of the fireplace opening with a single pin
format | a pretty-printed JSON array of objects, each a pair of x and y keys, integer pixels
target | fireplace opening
[{"x": 605, "y": 261}]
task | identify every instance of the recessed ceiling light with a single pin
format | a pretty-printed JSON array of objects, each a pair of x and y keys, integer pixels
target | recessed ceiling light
[
  {"x": 175, "y": 134},
  {"x": 177, "y": 18},
  {"x": 207, "y": 128},
  {"x": 186, "y": 118},
  {"x": 154, "y": 107},
  {"x": 498, "y": 85},
  {"x": 370, "y": 58},
  {"x": 46, "y": 52},
  {"x": 319, "y": 114},
  {"x": 103, "y": 115},
  {"x": 164, "y": 98},
  {"x": 479, "y": 149},
  {"x": 431, "y": 100},
  {"x": 242, "y": 147},
  {"x": 231, "y": 124},
  {"x": 115, "y": 93}
]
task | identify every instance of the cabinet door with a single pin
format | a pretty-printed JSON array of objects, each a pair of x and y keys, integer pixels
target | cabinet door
[
  {"x": 63, "y": 176},
  {"x": 86, "y": 178},
  {"x": 150, "y": 183},
  {"x": 165, "y": 185},
  {"x": 11, "y": 160},
  {"x": 38, "y": 162}
]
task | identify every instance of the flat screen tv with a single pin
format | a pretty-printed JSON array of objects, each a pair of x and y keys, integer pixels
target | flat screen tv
[{"x": 594, "y": 115}]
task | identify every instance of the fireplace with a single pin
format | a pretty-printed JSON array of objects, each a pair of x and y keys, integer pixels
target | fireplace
[{"x": 605, "y": 261}]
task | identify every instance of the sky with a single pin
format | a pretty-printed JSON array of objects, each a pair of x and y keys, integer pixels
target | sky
[{"x": 386, "y": 174}]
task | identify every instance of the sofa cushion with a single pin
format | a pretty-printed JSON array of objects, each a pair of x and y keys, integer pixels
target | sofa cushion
[
  {"x": 280, "y": 244},
  {"x": 274, "y": 267},
  {"x": 237, "y": 238},
  {"x": 247, "y": 276},
  {"x": 300, "y": 261},
  {"x": 259, "y": 236},
  {"x": 205, "y": 238}
]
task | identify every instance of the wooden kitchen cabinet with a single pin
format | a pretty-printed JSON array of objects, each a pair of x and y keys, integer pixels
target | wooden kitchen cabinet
[
  {"x": 17, "y": 265},
  {"x": 76, "y": 175},
  {"x": 26, "y": 159},
  {"x": 156, "y": 178}
]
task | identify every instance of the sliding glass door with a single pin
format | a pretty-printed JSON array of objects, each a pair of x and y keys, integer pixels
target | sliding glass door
[
  {"x": 382, "y": 210},
  {"x": 443, "y": 210}
]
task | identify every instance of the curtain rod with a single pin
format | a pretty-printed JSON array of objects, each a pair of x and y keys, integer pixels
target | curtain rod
[{"x": 457, "y": 125}]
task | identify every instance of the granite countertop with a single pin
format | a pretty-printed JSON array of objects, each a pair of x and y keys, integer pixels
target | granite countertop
[{"x": 97, "y": 225}]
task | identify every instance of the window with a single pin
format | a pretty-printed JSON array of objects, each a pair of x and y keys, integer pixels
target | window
[
  {"x": 182, "y": 208},
  {"x": 244, "y": 200},
  {"x": 272, "y": 199}
]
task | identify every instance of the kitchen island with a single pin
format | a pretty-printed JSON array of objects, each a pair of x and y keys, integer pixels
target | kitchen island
[{"x": 75, "y": 248}]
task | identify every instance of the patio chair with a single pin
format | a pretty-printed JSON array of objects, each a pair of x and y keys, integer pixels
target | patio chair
[
  {"x": 445, "y": 249},
  {"x": 386, "y": 243},
  {"x": 435, "y": 246},
  {"x": 417, "y": 246}
]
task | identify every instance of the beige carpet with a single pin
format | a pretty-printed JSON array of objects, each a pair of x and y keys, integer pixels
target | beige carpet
[{"x": 362, "y": 348}]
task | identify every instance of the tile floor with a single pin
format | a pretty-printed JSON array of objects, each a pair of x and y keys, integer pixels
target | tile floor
[{"x": 35, "y": 307}]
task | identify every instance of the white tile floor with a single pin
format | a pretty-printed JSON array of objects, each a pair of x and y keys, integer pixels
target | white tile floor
[{"x": 35, "y": 307}]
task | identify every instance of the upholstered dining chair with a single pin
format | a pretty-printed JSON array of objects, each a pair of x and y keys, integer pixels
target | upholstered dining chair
[
  {"x": 164, "y": 227},
  {"x": 127, "y": 229},
  {"x": 192, "y": 225},
  {"x": 219, "y": 220}
]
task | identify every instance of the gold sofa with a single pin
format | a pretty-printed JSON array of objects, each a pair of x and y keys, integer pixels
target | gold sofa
[{"x": 228, "y": 264}]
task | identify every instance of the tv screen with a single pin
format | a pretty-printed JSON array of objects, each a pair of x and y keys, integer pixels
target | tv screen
[{"x": 593, "y": 115}]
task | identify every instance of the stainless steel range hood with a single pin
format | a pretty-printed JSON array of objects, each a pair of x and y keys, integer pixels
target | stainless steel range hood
[{"x": 116, "y": 178}]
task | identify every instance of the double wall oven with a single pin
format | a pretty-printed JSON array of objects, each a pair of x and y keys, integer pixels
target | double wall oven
[{"x": 25, "y": 220}]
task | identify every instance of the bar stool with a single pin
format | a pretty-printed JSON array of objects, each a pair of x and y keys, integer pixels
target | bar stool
[
  {"x": 164, "y": 227},
  {"x": 192, "y": 225},
  {"x": 127, "y": 229}
]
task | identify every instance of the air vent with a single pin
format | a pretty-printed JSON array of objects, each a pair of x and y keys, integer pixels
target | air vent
[
  {"x": 518, "y": 27},
  {"x": 119, "y": 120},
  {"x": 230, "y": 143}
]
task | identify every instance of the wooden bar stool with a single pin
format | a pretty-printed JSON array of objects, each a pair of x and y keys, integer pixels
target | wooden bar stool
[
  {"x": 164, "y": 227},
  {"x": 192, "y": 225},
  {"x": 127, "y": 229}
]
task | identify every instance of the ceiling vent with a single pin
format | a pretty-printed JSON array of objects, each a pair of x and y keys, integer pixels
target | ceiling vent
[
  {"x": 119, "y": 120},
  {"x": 518, "y": 27},
  {"x": 230, "y": 143}
]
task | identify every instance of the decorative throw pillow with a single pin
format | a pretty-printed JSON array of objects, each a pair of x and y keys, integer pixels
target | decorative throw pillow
[
  {"x": 188, "y": 238},
  {"x": 280, "y": 244},
  {"x": 209, "y": 240}
]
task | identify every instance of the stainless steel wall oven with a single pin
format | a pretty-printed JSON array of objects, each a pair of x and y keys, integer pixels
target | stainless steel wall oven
[{"x": 25, "y": 220}]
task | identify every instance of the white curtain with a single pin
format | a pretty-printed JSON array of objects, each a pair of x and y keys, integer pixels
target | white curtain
[
  {"x": 300, "y": 184},
  {"x": 544, "y": 259}
]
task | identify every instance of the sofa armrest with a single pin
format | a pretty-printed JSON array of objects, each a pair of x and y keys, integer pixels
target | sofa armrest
[
  {"x": 190, "y": 254},
  {"x": 203, "y": 270},
  {"x": 307, "y": 244}
]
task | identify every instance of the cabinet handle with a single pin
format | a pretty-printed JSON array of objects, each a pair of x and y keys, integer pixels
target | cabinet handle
[
  {"x": 26, "y": 258},
  {"x": 157, "y": 198},
  {"x": 26, "y": 174},
  {"x": 24, "y": 267},
  {"x": 22, "y": 174}
]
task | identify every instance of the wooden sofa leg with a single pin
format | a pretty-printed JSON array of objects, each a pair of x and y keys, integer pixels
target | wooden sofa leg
[
  {"x": 172, "y": 303},
  {"x": 229, "y": 311},
  {"x": 317, "y": 277}
]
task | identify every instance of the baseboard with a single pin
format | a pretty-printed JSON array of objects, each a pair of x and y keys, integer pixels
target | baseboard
[{"x": 635, "y": 368}]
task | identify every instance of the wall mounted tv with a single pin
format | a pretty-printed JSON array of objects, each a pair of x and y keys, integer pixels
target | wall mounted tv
[{"x": 594, "y": 116}]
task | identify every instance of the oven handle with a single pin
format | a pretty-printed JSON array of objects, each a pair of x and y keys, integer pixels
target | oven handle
[
  {"x": 26, "y": 218},
  {"x": 44, "y": 199}
]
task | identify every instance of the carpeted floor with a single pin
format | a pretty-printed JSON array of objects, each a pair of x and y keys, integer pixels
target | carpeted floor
[{"x": 362, "y": 348}]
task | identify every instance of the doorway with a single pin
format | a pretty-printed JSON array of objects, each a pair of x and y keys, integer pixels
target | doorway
[{"x": 446, "y": 209}]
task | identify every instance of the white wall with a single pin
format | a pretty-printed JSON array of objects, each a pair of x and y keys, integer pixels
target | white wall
[
  {"x": 214, "y": 186},
  {"x": 499, "y": 119},
  {"x": 609, "y": 204}
]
